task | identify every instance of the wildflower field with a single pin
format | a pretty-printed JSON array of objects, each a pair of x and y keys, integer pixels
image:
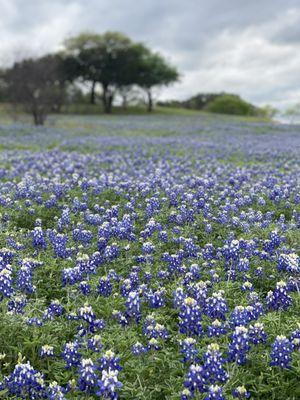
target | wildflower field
[{"x": 150, "y": 258}]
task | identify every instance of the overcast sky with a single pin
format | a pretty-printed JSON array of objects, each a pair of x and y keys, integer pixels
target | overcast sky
[{"x": 241, "y": 46}]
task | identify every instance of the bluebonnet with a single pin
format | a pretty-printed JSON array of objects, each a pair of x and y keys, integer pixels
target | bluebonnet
[
  {"x": 194, "y": 380},
  {"x": 38, "y": 238},
  {"x": 189, "y": 351},
  {"x": 278, "y": 299},
  {"x": 71, "y": 354},
  {"x": 190, "y": 317},
  {"x": 87, "y": 375},
  {"x": 215, "y": 392},
  {"x": 26, "y": 382},
  {"x": 217, "y": 328},
  {"x": 289, "y": 263},
  {"x": 240, "y": 392},
  {"x": 295, "y": 338},
  {"x": 133, "y": 306},
  {"x": 109, "y": 361},
  {"x": 94, "y": 343},
  {"x": 24, "y": 279},
  {"x": 54, "y": 310},
  {"x": 105, "y": 287},
  {"x": 109, "y": 384},
  {"x": 239, "y": 345},
  {"x": 156, "y": 299},
  {"x": 138, "y": 349},
  {"x": 47, "y": 351},
  {"x": 257, "y": 333},
  {"x": 6, "y": 281},
  {"x": 16, "y": 304},
  {"x": 282, "y": 349},
  {"x": 216, "y": 306},
  {"x": 213, "y": 366},
  {"x": 56, "y": 392}
]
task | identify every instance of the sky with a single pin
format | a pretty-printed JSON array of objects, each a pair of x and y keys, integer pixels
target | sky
[{"x": 251, "y": 48}]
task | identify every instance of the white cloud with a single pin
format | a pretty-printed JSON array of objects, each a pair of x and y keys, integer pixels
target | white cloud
[{"x": 250, "y": 48}]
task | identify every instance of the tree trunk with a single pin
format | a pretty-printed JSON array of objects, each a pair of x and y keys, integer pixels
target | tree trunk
[
  {"x": 124, "y": 102},
  {"x": 93, "y": 93},
  {"x": 38, "y": 117},
  {"x": 107, "y": 100},
  {"x": 150, "y": 101}
]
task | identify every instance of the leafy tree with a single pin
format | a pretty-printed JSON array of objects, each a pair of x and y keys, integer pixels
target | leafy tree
[
  {"x": 75, "y": 47},
  {"x": 154, "y": 71},
  {"x": 108, "y": 59},
  {"x": 37, "y": 85}
]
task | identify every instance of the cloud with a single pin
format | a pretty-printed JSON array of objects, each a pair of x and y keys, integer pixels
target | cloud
[{"x": 250, "y": 48}]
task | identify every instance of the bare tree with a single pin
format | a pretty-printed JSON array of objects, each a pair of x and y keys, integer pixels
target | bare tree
[{"x": 37, "y": 85}]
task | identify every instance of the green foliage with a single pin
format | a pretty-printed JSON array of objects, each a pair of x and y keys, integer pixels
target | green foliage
[{"x": 231, "y": 104}]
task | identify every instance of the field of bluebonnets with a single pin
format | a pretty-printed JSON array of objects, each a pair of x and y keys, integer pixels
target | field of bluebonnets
[{"x": 150, "y": 258}]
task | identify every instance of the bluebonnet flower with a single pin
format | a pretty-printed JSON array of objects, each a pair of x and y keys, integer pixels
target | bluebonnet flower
[
  {"x": 295, "y": 338},
  {"x": 109, "y": 384},
  {"x": 56, "y": 392},
  {"x": 257, "y": 334},
  {"x": 154, "y": 330},
  {"x": 94, "y": 343},
  {"x": 71, "y": 354},
  {"x": 24, "y": 280},
  {"x": 34, "y": 321},
  {"x": 87, "y": 375},
  {"x": 156, "y": 299},
  {"x": 109, "y": 361},
  {"x": 6, "y": 281},
  {"x": 189, "y": 351},
  {"x": 38, "y": 238},
  {"x": 16, "y": 304},
  {"x": 279, "y": 298},
  {"x": 148, "y": 248},
  {"x": 243, "y": 265},
  {"x": 104, "y": 287},
  {"x": 47, "y": 351},
  {"x": 25, "y": 382},
  {"x": 54, "y": 310},
  {"x": 86, "y": 313},
  {"x": 84, "y": 287},
  {"x": 133, "y": 306},
  {"x": 281, "y": 352},
  {"x": 239, "y": 345},
  {"x": 186, "y": 394},
  {"x": 153, "y": 344},
  {"x": 213, "y": 370},
  {"x": 217, "y": 328},
  {"x": 190, "y": 317},
  {"x": 215, "y": 392},
  {"x": 194, "y": 380},
  {"x": 247, "y": 286},
  {"x": 239, "y": 316},
  {"x": 178, "y": 297},
  {"x": 289, "y": 263},
  {"x": 241, "y": 392},
  {"x": 216, "y": 306},
  {"x": 138, "y": 349}
]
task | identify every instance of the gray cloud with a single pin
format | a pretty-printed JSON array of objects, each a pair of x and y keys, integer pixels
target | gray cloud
[{"x": 251, "y": 48}]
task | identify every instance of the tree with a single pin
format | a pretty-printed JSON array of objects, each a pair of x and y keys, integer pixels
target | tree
[
  {"x": 104, "y": 59},
  {"x": 154, "y": 71},
  {"x": 75, "y": 47},
  {"x": 37, "y": 85}
]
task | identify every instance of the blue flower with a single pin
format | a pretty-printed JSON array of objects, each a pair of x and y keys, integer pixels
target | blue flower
[{"x": 281, "y": 352}]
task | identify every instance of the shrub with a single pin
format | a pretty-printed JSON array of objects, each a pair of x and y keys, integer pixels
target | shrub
[{"x": 231, "y": 104}]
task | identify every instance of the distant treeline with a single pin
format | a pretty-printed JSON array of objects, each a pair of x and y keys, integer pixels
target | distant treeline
[
  {"x": 221, "y": 103},
  {"x": 107, "y": 65}
]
